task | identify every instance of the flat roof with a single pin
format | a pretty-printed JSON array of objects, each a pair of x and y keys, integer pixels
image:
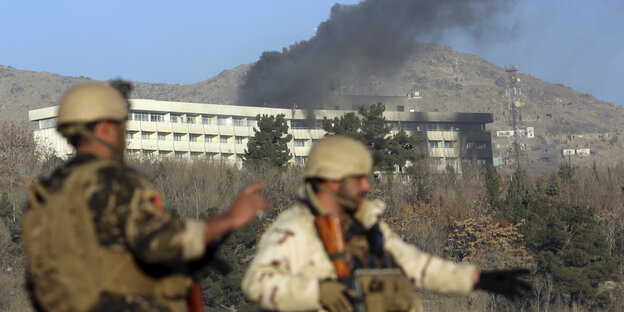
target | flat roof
[{"x": 252, "y": 111}]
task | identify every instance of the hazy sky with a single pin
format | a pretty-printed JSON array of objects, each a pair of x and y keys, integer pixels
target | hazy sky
[{"x": 578, "y": 43}]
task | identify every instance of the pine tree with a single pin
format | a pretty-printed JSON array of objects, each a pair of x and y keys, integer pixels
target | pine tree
[
  {"x": 269, "y": 145},
  {"x": 401, "y": 149},
  {"x": 389, "y": 152},
  {"x": 564, "y": 238},
  {"x": 375, "y": 133},
  {"x": 566, "y": 173},
  {"x": 571, "y": 247},
  {"x": 348, "y": 125},
  {"x": 493, "y": 186},
  {"x": 519, "y": 195}
]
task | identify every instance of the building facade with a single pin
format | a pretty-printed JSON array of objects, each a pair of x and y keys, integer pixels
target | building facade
[{"x": 163, "y": 129}]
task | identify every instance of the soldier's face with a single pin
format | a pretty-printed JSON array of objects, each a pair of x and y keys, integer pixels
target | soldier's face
[
  {"x": 358, "y": 187},
  {"x": 353, "y": 188}
]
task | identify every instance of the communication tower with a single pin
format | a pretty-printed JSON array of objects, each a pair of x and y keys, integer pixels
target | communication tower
[{"x": 516, "y": 151}]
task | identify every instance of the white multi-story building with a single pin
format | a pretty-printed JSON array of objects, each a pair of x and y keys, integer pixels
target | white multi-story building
[{"x": 221, "y": 132}]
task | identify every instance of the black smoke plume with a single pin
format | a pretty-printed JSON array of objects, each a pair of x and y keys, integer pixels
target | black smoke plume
[{"x": 372, "y": 37}]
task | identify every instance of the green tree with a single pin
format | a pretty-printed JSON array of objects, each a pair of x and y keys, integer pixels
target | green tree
[
  {"x": 553, "y": 188},
  {"x": 374, "y": 132},
  {"x": 571, "y": 247},
  {"x": 348, "y": 125},
  {"x": 371, "y": 129},
  {"x": 493, "y": 187},
  {"x": 568, "y": 244},
  {"x": 269, "y": 145},
  {"x": 566, "y": 173},
  {"x": 519, "y": 193},
  {"x": 401, "y": 149}
]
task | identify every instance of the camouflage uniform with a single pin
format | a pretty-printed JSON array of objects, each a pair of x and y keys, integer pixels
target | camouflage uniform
[
  {"x": 129, "y": 217},
  {"x": 291, "y": 262}
]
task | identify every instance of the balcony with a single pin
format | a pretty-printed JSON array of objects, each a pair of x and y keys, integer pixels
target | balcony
[
  {"x": 442, "y": 152},
  {"x": 149, "y": 144},
  {"x": 212, "y": 147},
  {"x": 211, "y": 129},
  {"x": 228, "y": 148},
  {"x": 226, "y": 130},
  {"x": 240, "y": 148},
  {"x": 301, "y": 151},
  {"x": 442, "y": 135},
  {"x": 179, "y": 127},
  {"x": 181, "y": 145},
  {"x": 243, "y": 131},
  {"x": 196, "y": 128},
  {"x": 133, "y": 144},
  {"x": 164, "y": 127},
  {"x": 196, "y": 146},
  {"x": 165, "y": 145},
  {"x": 148, "y": 126}
]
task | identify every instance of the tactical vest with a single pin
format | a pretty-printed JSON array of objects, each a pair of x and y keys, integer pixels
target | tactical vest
[
  {"x": 68, "y": 266},
  {"x": 370, "y": 271}
]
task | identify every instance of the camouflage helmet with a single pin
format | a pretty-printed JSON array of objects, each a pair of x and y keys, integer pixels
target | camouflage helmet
[
  {"x": 91, "y": 102},
  {"x": 338, "y": 157}
]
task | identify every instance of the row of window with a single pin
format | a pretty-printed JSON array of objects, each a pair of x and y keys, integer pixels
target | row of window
[
  {"x": 304, "y": 142},
  {"x": 192, "y": 119},
  {"x": 451, "y": 144},
  {"x": 185, "y": 155},
  {"x": 300, "y": 160},
  {"x": 209, "y": 138},
  {"x": 453, "y": 161},
  {"x": 47, "y": 123},
  {"x": 411, "y": 126},
  {"x": 191, "y": 137},
  {"x": 440, "y": 144},
  {"x": 244, "y": 122}
]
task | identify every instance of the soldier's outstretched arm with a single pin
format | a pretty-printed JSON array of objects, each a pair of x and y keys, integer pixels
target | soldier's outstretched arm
[
  {"x": 245, "y": 207},
  {"x": 155, "y": 235},
  {"x": 428, "y": 271}
]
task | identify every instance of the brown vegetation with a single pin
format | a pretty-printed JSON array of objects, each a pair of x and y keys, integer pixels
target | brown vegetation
[{"x": 440, "y": 212}]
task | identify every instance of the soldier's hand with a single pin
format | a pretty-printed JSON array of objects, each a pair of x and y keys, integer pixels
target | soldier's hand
[
  {"x": 506, "y": 283},
  {"x": 247, "y": 204},
  {"x": 334, "y": 296}
]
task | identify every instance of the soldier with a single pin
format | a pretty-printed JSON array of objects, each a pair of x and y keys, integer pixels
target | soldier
[
  {"x": 331, "y": 251},
  {"x": 98, "y": 236}
]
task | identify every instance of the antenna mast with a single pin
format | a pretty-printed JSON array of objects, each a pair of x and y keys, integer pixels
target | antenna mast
[{"x": 516, "y": 151}]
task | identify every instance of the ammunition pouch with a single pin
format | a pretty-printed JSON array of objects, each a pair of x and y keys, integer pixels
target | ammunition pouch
[{"x": 381, "y": 290}]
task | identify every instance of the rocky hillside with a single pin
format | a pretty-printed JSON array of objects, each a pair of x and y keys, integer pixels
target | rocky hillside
[
  {"x": 448, "y": 81},
  {"x": 21, "y": 91}
]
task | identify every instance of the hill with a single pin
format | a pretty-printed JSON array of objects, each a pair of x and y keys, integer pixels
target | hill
[
  {"x": 448, "y": 81},
  {"x": 21, "y": 90}
]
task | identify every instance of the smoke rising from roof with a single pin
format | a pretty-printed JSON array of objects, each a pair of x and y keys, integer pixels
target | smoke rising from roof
[{"x": 372, "y": 37}]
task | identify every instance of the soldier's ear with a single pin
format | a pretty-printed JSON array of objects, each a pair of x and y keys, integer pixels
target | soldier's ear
[{"x": 106, "y": 129}]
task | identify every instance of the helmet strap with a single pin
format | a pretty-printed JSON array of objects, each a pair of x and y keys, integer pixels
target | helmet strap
[
  {"x": 82, "y": 130},
  {"x": 312, "y": 200}
]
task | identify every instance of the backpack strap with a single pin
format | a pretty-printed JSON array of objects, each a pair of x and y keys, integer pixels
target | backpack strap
[{"x": 37, "y": 194}]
